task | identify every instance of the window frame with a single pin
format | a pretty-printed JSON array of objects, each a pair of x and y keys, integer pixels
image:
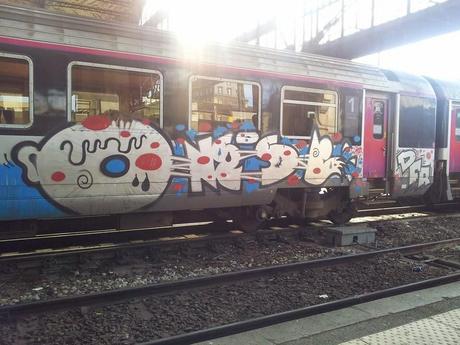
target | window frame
[
  {"x": 311, "y": 90},
  {"x": 196, "y": 76},
  {"x": 113, "y": 67},
  {"x": 31, "y": 91}
]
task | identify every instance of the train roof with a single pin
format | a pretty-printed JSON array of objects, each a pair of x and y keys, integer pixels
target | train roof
[
  {"x": 409, "y": 84},
  {"x": 446, "y": 90},
  {"x": 146, "y": 41}
]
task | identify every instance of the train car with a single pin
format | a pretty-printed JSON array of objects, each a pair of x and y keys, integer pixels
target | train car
[
  {"x": 446, "y": 185},
  {"x": 97, "y": 119}
]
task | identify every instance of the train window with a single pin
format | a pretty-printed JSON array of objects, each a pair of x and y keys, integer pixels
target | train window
[
  {"x": 15, "y": 91},
  {"x": 351, "y": 115},
  {"x": 417, "y": 118},
  {"x": 303, "y": 108},
  {"x": 457, "y": 125},
  {"x": 119, "y": 92},
  {"x": 211, "y": 107},
  {"x": 378, "y": 127}
]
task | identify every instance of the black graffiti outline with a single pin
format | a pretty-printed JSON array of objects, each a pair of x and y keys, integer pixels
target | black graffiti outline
[
  {"x": 413, "y": 186},
  {"x": 97, "y": 144}
]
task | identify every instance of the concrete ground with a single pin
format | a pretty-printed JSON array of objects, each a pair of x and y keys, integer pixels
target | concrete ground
[{"x": 411, "y": 318}]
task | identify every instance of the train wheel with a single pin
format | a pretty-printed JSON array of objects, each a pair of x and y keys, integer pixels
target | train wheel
[
  {"x": 247, "y": 220},
  {"x": 343, "y": 215}
]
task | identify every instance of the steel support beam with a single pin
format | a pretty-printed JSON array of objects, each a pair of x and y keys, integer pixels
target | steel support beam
[
  {"x": 432, "y": 21},
  {"x": 260, "y": 30}
]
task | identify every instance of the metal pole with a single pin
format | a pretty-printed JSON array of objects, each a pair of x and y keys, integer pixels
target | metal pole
[
  {"x": 372, "y": 12},
  {"x": 342, "y": 13}
]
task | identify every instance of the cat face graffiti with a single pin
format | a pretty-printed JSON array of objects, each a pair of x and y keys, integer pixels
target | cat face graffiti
[
  {"x": 321, "y": 163},
  {"x": 100, "y": 166}
]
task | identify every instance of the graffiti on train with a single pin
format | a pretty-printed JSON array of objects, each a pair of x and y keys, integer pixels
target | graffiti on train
[
  {"x": 103, "y": 165},
  {"x": 414, "y": 168}
]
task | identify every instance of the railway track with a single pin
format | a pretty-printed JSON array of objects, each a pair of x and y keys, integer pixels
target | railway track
[
  {"x": 114, "y": 296},
  {"x": 54, "y": 246}
]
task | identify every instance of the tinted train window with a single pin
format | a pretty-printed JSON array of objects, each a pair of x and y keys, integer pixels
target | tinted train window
[
  {"x": 303, "y": 108},
  {"x": 15, "y": 88},
  {"x": 417, "y": 122},
  {"x": 457, "y": 125},
  {"x": 351, "y": 109},
  {"x": 211, "y": 107},
  {"x": 124, "y": 94}
]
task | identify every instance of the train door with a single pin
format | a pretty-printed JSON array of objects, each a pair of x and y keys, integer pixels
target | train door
[
  {"x": 454, "y": 162},
  {"x": 375, "y": 136}
]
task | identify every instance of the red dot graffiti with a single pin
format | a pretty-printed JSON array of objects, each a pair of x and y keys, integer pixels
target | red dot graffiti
[
  {"x": 316, "y": 171},
  {"x": 337, "y": 137},
  {"x": 287, "y": 152},
  {"x": 203, "y": 160},
  {"x": 177, "y": 187},
  {"x": 223, "y": 174},
  {"x": 218, "y": 141},
  {"x": 155, "y": 145},
  {"x": 209, "y": 177},
  {"x": 96, "y": 122},
  {"x": 293, "y": 180},
  {"x": 355, "y": 174},
  {"x": 301, "y": 144},
  {"x": 149, "y": 161},
  {"x": 125, "y": 134},
  {"x": 58, "y": 176},
  {"x": 180, "y": 141},
  {"x": 266, "y": 157}
]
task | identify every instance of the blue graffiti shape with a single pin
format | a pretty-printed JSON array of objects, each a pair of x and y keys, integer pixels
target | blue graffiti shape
[
  {"x": 180, "y": 185},
  {"x": 219, "y": 131},
  {"x": 191, "y": 134},
  {"x": 248, "y": 126},
  {"x": 19, "y": 201},
  {"x": 180, "y": 127},
  {"x": 115, "y": 166}
]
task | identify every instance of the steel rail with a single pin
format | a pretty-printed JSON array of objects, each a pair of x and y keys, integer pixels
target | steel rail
[
  {"x": 115, "y": 296},
  {"x": 264, "y": 321},
  {"x": 53, "y": 241},
  {"x": 26, "y": 246}
]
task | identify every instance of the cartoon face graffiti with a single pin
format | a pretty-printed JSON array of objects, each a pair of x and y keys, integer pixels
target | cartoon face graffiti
[
  {"x": 93, "y": 167},
  {"x": 321, "y": 163}
]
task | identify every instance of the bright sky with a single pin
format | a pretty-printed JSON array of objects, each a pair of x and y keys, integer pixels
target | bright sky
[
  {"x": 199, "y": 21},
  {"x": 436, "y": 57}
]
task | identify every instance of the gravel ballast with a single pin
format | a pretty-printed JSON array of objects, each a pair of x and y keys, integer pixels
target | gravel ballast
[
  {"x": 150, "y": 318},
  {"x": 133, "y": 271}
]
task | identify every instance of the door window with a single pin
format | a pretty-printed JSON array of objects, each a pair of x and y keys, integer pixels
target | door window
[{"x": 379, "y": 119}]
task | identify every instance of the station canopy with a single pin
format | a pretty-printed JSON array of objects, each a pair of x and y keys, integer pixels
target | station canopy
[{"x": 123, "y": 11}]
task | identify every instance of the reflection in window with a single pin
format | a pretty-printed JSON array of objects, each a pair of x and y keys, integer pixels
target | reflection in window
[
  {"x": 378, "y": 128},
  {"x": 417, "y": 122},
  {"x": 14, "y": 91},
  {"x": 457, "y": 125},
  {"x": 303, "y": 109},
  {"x": 211, "y": 108},
  {"x": 120, "y": 94}
]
